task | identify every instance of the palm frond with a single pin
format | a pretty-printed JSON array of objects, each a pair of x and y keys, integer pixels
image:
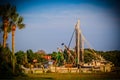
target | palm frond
[
  {"x": 9, "y": 12},
  {"x": 13, "y": 9},
  {"x": 21, "y": 26},
  {"x": 1, "y": 27},
  {"x": 15, "y": 17},
  {"x": 9, "y": 27},
  {"x": 20, "y": 20},
  {"x": 13, "y": 12}
]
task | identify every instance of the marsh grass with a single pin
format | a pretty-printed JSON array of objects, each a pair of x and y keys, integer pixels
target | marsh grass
[{"x": 71, "y": 76}]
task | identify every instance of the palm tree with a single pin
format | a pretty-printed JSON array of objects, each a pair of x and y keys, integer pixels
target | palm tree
[
  {"x": 11, "y": 20},
  {"x": 6, "y": 11},
  {"x": 16, "y": 21}
]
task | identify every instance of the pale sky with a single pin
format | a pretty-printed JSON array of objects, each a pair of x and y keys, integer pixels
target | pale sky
[{"x": 51, "y": 22}]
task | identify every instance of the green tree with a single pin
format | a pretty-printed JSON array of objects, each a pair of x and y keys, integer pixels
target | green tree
[
  {"x": 54, "y": 55},
  {"x": 58, "y": 57},
  {"x": 40, "y": 58},
  {"x": 113, "y": 56},
  {"x": 21, "y": 57},
  {"x": 30, "y": 55},
  {"x": 11, "y": 20},
  {"x": 6, "y": 11},
  {"x": 88, "y": 57},
  {"x": 5, "y": 62},
  {"x": 16, "y": 21}
]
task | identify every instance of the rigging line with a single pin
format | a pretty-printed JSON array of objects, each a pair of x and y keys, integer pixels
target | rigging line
[
  {"x": 85, "y": 39},
  {"x": 90, "y": 46},
  {"x": 86, "y": 42},
  {"x": 71, "y": 38}
]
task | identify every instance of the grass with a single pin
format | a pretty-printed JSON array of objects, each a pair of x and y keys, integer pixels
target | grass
[{"x": 70, "y": 76}]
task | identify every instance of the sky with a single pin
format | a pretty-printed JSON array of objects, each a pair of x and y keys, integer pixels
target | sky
[{"x": 51, "y": 22}]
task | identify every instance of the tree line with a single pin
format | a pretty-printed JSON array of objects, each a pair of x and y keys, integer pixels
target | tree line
[{"x": 27, "y": 57}]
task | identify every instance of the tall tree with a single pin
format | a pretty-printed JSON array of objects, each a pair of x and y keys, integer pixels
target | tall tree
[
  {"x": 16, "y": 21},
  {"x": 6, "y": 11},
  {"x": 11, "y": 20}
]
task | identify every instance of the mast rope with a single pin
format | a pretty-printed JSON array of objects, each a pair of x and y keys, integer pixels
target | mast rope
[
  {"x": 71, "y": 38},
  {"x": 88, "y": 44}
]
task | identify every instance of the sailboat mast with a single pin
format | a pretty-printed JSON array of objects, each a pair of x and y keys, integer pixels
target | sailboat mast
[
  {"x": 78, "y": 42},
  {"x": 81, "y": 49}
]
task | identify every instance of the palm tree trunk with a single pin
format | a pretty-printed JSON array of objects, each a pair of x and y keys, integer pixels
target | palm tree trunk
[
  {"x": 13, "y": 42},
  {"x": 4, "y": 39},
  {"x": 5, "y": 25},
  {"x": 13, "y": 47}
]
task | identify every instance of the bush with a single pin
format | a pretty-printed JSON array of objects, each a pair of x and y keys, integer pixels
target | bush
[{"x": 6, "y": 70}]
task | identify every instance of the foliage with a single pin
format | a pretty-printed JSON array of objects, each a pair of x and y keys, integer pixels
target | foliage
[
  {"x": 5, "y": 62},
  {"x": 30, "y": 55},
  {"x": 39, "y": 55},
  {"x": 88, "y": 57},
  {"x": 21, "y": 57},
  {"x": 10, "y": 20},
  {"x": 54, "y": 55},
  {"x": 58, "y": 57},
  {"x": 113, "y": 56},
  {"x": 9, "y": 12},
  {"x": 40, "y": 58}
]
